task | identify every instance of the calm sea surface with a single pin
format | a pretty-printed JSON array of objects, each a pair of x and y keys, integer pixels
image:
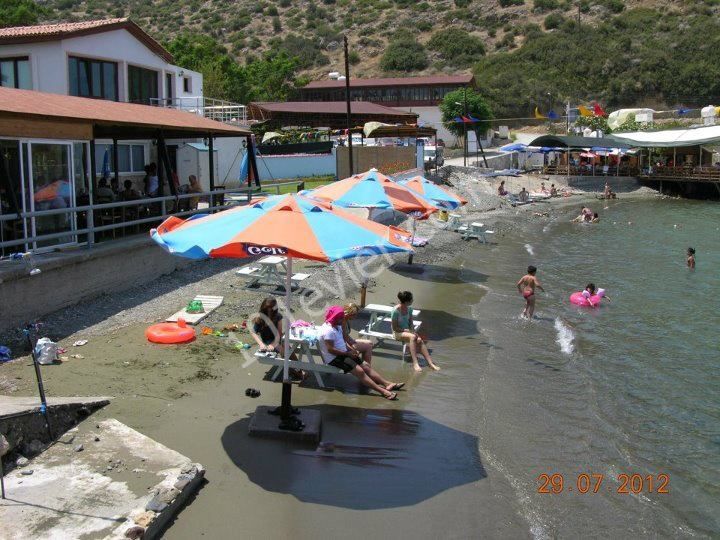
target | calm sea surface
[{"x": 630, "y": 388}]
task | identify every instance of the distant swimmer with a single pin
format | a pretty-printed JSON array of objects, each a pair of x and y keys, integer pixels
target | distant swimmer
[
  {"x": 526, "y": 286},
  {"x": 595, "y": 218},
  {"x": 691, "y": 258},
  {"x": 586, "y": 215}
]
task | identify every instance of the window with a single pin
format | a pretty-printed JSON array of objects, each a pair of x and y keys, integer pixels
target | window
[
  {"x": 92, "y": 78},
  {"x": 168, "y": 88},
  {"x": 142, "y": 85},
  {"x": 131, "y": 159},
  {"x": 187, "y": 85},
  {"x": 15, "y": 73}
]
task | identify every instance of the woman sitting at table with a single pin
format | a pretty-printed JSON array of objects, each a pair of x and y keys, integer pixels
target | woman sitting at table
[
  {"x": 362, "y": 346},
  {"x": 267, "y": 331},
  {"x": 404, "y": 330}
]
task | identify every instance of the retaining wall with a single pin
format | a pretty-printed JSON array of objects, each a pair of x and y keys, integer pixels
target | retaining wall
[{"x": 73, "y": 276}]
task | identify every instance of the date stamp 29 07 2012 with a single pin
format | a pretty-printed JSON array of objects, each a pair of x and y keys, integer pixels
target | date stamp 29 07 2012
[{"x": 555, "y": 483}]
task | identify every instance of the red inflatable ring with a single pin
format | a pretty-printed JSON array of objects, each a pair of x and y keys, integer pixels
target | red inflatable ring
[{"x": 170, "y": 332}]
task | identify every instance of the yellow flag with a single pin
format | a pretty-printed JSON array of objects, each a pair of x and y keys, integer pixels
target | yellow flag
[
  {"x": 584, "y": 111},
  {"x": 539, "y": 115}
]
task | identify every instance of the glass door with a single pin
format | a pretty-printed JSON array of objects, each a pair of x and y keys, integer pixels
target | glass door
[
  {"x": 11, "y": 195},
  {"x": 51, "y": 186}
]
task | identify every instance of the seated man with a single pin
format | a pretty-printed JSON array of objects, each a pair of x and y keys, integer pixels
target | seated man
[
  {"x": 104, "y": 194},
  {"x": 524, "y": 195},
  {"x": 336, "y": 353}
]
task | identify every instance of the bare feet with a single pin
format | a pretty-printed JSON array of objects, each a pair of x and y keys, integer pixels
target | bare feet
[
  {"x": 391, "y": 396},
  {"x": 435, "y": 367},
  {"x": 394, "y": 386},
  {"x": 417, "y": 368}
]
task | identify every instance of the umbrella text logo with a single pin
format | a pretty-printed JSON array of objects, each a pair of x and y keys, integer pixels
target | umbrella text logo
[{"x": 255, "y": 250}]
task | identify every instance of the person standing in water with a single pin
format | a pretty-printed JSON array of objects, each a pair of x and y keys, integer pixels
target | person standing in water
[
  {"x": 691, "y": 258},
  {"x": 526, "y": 286}
]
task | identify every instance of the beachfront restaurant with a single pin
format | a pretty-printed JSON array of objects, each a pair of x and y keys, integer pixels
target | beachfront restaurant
[
  {"x": 684, "y": 160},
  {"x": 586, "y": 156},
  {"x": 53, "y": 188}
]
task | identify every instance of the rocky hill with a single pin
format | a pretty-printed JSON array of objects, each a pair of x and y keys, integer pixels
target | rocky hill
[{"x": 538, "y": 41}]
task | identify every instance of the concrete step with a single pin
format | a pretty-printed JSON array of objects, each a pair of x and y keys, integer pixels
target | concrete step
[{"x": 98, "y": 480}]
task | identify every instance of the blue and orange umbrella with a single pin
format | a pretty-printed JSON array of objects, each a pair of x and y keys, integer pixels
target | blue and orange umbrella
[
  {"x": 437, "y": 195},
  {"x": 373, "y": 189},
  {"x": 289, "y": 225}
]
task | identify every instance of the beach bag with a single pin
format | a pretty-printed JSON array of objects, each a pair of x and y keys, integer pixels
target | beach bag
[{"x": 46, "y": 351}]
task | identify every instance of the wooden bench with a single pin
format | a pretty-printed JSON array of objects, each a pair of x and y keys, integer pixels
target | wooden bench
[{"x": 276, "y": 359}]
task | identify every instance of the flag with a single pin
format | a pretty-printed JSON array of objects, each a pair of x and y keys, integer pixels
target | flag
[
  {"x": 539, "y": 115},
  {"x": 552, "y": 115},
  {"x": 683, "y": 110},
  {"x": 584, "y": 111},
  {"x": 458, "y": 120},
  {"x": 473, "y": 119},
  {"x": 466, "y": 120},
  {"x": 597, "y": 109}
]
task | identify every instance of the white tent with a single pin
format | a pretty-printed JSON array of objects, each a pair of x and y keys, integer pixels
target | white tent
[{"x": 671, "y": 137}]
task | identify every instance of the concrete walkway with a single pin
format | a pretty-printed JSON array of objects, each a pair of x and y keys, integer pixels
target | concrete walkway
[
  {"x": 100, "y": 480},
  {"x": 10, "y": 405}
]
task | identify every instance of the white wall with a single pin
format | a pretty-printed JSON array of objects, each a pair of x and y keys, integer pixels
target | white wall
[
  {"x": 49, "y": 61},
  {"x": 294, "y": 166},
  {"x": 230, "y": 154},
  {"x": 432, "y": 117}
]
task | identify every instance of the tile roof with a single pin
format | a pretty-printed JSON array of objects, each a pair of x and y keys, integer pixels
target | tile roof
[
  {"x": 51, "y": 32},
  {"x": 108, "y": 113},
  {"x": 393, "y": 81},
  {"x": 330, "y": 107}
]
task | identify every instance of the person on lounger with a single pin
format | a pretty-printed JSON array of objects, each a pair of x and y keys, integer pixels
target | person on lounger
[
  {"x": 501, "y": 189},
  {"x": 335, "y": 352},
  {"x": 362, "y": 346},
  {"x": 404, "y": 330}
]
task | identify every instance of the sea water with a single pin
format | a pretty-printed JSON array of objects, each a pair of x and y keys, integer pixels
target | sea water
[{"x": 630, "y": 388}]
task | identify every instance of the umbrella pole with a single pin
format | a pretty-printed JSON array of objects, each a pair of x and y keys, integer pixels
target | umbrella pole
[
  {"x": 412, "y": 239},
  {"x": 287, "y": 420}
]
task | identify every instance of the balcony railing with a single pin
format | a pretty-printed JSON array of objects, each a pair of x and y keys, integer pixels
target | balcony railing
[
  {"x": 93, "y": 223},
  {"x": 214, "y": 109}
]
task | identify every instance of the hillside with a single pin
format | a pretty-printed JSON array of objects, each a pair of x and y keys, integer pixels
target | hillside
[{"x": 659, "y": 51}]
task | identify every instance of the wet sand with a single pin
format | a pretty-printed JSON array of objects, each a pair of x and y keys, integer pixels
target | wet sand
[{"x": 419, "y": 455}]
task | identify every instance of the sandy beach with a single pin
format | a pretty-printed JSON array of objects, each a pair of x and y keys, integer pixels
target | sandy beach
[{"x": 408, "y": 468}]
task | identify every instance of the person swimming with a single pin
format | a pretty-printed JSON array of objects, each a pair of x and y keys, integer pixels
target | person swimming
[
  {"x": 595, "y": 218},
  {"x": 691, "y": 258}
]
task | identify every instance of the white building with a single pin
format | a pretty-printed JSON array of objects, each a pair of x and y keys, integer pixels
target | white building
[
  {"x": 108, "y": 59},
  {"x": 112, "y": 59}
]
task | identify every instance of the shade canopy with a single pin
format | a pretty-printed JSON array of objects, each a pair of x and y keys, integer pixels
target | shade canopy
[
  {"x": 513, "y": 147},
  {"x": 289, "y": 225},
  {"x": 669, "y": 138},
  {"x": 373, "y": 189},
  {"x": 437, "y": 194},
  {"x": 568, "y": 141}
]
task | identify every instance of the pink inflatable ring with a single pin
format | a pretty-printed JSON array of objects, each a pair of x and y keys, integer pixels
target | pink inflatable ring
[{"x": 579, "y": 299}]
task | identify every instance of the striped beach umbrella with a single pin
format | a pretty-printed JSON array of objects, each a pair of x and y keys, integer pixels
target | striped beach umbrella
[
  {"x": 438, "y": 195},
  {"x": 373, "y": 189},
  {"x": 289, "y": 225}
]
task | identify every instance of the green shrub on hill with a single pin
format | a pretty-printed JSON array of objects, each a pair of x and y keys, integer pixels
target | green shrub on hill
[
  {"x": 457, "y": 47},
  {"x": 404, "y": 53},
  {"x": 553, "y": 20}
]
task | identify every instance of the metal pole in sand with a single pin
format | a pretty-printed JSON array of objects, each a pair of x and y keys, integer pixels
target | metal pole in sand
[
  {"x": 2, "y": 479},
  {"x": 38, "y": 376}
]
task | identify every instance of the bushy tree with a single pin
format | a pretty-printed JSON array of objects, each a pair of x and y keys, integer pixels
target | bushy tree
[
  {"x": 404, "y": 53},
  {"x": 453, "y": 105},
  {"x": 457, "y": 47},
  {"x": 20, "y": 12}
]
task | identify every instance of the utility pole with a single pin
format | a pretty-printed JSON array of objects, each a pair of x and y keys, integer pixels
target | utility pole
[
  {"x": 465, "y": 149},
  {"x": 567, "y": 117},
  {"x": 347, "y": 101}
]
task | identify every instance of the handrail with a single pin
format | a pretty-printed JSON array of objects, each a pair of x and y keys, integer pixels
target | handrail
[{"x": 90, "y": 209}]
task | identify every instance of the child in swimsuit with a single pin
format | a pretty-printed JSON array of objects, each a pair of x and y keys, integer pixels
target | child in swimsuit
[
  {"x": 526, "y": 286},
  {"x": 691, "y": 257}
]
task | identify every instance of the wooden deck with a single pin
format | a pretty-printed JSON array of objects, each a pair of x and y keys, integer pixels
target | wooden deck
[{"x": 683, "y": 174}]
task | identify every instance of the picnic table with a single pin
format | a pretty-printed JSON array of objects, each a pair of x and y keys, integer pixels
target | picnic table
[
  {"x": 380, "y": 314},
  {"x": 310, "y": 358},
  {"x": 270, "y": 270}
]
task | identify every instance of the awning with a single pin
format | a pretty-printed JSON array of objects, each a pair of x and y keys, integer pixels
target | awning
[
  {"x": 568, "y": 141},
  {"x": 671, "y": 137}
]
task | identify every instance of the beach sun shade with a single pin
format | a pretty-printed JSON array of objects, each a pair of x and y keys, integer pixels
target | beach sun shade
[
  {"x": 438, "y": 195},
  {"x": 289, "y": 225},
  {"x": 60, "y": 189},
  {"x": 373, "y": 189},
  {"x": 513, "y": 147}
]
